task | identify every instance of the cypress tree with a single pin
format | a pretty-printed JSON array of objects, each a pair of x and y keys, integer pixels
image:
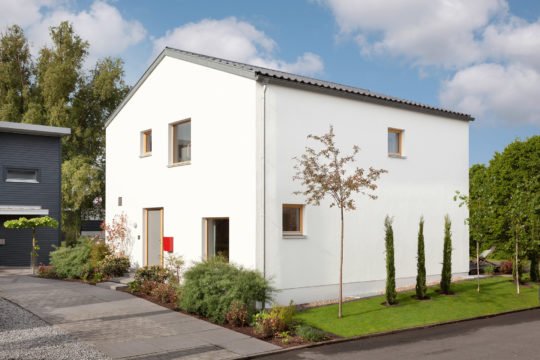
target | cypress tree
[
  {"x": 421, "y": 288},
  {"x": 446, "y": 275},
  {"x": 391, "y": 295},
  {"x": 534, "y": 272}
]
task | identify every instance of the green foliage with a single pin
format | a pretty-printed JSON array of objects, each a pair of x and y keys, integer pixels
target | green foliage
[
  {"x": 152, "y": 273},
  {"x": 390, "y": 266},
  {"x": 534, "y": 272},
  {"x": 211, "y": 286},
  {"x": 421, "y": 287},
  {"x": 309, "y": 333},
  {"x": 175, "y": 264},
  {"x": 113, "y": 266},
  {"x": 274, "y": 321},
  {"x": 446, "y": 274},
  {"x": 165, "y": 293},
  {"x": 32, "y": 223},
  {"x": 72, "y": 262}
]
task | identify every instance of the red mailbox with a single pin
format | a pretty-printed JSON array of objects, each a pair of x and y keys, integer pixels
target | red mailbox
[{"x": 168, "y": 243}]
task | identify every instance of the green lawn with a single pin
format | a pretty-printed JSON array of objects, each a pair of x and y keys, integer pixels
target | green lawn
[{"x": 368, "y": 316}]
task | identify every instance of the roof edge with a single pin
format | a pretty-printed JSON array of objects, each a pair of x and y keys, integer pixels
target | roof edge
[{"x": 33, "y": 129}]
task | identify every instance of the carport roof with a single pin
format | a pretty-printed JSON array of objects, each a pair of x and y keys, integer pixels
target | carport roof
[
  {"x": 23, "y": 210},
  {"x": 32, "y": 129}
]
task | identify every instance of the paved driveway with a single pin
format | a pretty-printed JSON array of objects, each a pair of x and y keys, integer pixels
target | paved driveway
[
  {"x": 121, "y": 325},
  {"x": 514, "y": 336}
]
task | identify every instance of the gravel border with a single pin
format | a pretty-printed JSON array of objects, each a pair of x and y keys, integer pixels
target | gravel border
[{"x": 23, "y": 335}]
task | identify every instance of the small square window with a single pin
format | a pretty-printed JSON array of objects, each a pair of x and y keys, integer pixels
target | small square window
[
  {"x": 181, "y": 142},
  {"x": 395, "y": 142},
  {"x": 146, "y": 142},
  {"x": 292, "y": 219},
  {"x": 21, "y": 175}
]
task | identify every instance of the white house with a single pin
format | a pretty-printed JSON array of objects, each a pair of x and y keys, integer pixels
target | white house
[{"x": 202, "y": 150}]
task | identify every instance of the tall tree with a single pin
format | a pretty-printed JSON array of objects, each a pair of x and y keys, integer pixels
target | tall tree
[
  {"x": 390, "y": 294},
  {"x": 325, "y": 173},
  {"x": 59, "y": 91},
  {"x": 446, "y": 274},
  {"x": 421, "y": 287},
  {"x": 16, "y": 69}
]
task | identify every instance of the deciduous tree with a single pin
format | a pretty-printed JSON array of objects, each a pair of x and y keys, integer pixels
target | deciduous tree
[{"x": 325, "y": 173}]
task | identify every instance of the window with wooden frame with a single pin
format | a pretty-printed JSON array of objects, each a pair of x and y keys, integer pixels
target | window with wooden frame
[
  {"x": 293, "y": 218},
  {"x": 395, "y": 142},
  {"x": 180, "y": 133},
  {"x": 146, "y": 143}
]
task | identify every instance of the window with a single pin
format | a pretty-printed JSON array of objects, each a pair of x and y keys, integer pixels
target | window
[
  {"x": 217, "y": 238},
  {"x": 395, "y": 139},
  {"x": 21, "y": 175},
  {"x": 146, "y": 142},
  {"x": 292, "y": 219},
  {"x": 181, "y": 142}
]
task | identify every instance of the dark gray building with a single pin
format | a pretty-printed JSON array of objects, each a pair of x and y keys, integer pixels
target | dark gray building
[{"x": 30, "y": 169}]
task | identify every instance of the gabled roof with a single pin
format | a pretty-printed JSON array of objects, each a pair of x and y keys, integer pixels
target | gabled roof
[
  {"x": 259, "y": 73},
  {"x": 31, "y": 129}
]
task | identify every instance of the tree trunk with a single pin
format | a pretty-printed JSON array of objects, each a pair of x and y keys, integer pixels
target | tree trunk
[
  {"x": 340, "y": 303},
  {"x": 33, "y": 258},
  {"x": 517, "y": 265},
  {"x": 478, "y": 265}
]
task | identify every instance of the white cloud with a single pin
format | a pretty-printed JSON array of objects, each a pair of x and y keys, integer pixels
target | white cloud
[
  {"x": 237, "y": 40},
  {"x": 427, "y": 32},
  {"x": 501, "y": 93},
  {"x": 102, "y": 25},
  {"x": 493, "y": 57}
]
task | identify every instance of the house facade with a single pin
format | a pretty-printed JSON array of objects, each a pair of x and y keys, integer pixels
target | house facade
[
  {"x": 201, "y": 151},
  {"x": 30, "y": 165}
]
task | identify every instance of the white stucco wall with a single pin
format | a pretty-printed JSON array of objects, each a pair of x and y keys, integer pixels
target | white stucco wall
[
  {"x": 436, "y": 164},
  {"x": 220, "y": 180}
]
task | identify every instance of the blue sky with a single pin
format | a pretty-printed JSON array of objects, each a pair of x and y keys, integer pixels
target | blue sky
[{"x": 481, "y": 57}]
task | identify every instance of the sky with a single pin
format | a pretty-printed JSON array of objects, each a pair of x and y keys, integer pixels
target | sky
[{"x": 479, "y": 57}]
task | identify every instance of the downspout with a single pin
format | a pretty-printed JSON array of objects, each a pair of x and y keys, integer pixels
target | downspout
[{"x": 265, "y": 83}]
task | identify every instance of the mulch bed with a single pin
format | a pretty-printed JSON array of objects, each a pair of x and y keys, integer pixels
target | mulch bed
[{"x": 246, "y": 330}]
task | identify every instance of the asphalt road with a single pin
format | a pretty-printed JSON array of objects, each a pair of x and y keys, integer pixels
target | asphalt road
[{"x": 513, "y": 336}]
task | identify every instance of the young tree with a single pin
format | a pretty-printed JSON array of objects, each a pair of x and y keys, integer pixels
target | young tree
[
  {"x": 446, "y": 275},
  {"x": 33, "y": 223},
  {"x": 421, "y": 287},
  {"x": 391, "y": 295},
  {"x": 325, "y": 173}
]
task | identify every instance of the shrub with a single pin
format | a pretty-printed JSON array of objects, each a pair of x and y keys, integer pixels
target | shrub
[
  {"x": 47, "y": 271},
  {"x": 175, "y": 265},
  {"x": 164, "y": 292},
  {"x": 98, "y": 252},
  {"x": 421, "y": 287},
  {"x": 391, "y": 294},
  {"x": 72, "y": 262},
  {"x": 152, "y": 273},
  {"x": 112, "y": 265},
  {"x": 489, "y": 270},
  {"x": 148, "y": 286},
  {"x": 211, "y": 286},
  {"x": 238, "y": 314},
  {"x": 310, "y": 333},
  {"x": 506, "y": 267},
  {"x": 446, "y": 275},
  {"x": 274, "y": 321}
]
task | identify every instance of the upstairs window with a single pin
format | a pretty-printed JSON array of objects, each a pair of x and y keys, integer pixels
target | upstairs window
[
  {"x": 292, "y": 219},
  {"x": 146, "y": 142},
  {"x": 21, "y": 175},
  {"x": 395, "y": 142},
  {"x": 181, "y": 142}
]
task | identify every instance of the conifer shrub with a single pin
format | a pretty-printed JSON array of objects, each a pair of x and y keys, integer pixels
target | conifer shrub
[
  {"x": 211, "y": 286},
  {"x": 421, "y": 287},
  {"x": 391, "y": 294},
  {"x": 446, "y": 274}
]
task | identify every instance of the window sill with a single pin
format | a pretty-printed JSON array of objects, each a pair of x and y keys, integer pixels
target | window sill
[
  {"x": 22, "y": 181},
  {"x": 183, "y": 163},
  {"x": 294, "y": 236},
  {"x": 145, "y": 155},
  {"x": 396, "y": 156}
]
